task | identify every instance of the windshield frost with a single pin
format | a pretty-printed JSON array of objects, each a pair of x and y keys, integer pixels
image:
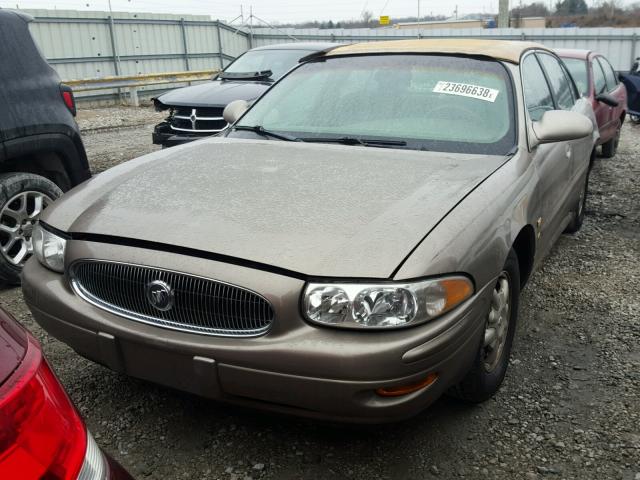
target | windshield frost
[{"x": 433, "y": 102}]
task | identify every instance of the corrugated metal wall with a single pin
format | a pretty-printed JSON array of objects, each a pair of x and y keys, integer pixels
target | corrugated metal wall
[
  {"x": 81, "y": 44},
  {"x": 617, "y": 44}
]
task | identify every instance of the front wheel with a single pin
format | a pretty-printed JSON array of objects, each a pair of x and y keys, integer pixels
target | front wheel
[
  {"x": 490, "y": 365},
  {"x": 23, "y": 197}
]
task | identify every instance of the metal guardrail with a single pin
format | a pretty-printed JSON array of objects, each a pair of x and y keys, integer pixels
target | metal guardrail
[{"x": 133, "y": 82}]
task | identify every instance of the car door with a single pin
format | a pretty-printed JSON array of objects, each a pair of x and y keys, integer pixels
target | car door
[
  {"x": 566, "y": 96},
  {"x": 615, "y": 89},
  {"x": 551, "y": 160},
  {"x": 602, "y": 111}
]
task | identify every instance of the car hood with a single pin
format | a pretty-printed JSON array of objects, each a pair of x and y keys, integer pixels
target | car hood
[
  {"x": 217, "y": 93},
  {"x": 314, "y": 209}
]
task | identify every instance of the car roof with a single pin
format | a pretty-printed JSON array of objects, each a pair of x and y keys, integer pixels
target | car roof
[
  {"x": 12, "y": 14},
  {"x": 573, "y": 53},
  {"x": 506, "y": 50},
  {"x": 309, "y": 46}
]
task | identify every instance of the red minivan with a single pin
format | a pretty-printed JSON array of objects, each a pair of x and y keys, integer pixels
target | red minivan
[
  {"x": 42, "y": 435},
  {"x": 598, "y": 81}
]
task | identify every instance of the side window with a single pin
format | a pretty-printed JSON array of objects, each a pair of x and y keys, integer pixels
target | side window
[
  {"x": 599, "y": 81},
  {"x": 561, "y": 86},
  {"x": 609, "y": 75},
  {"x": 537, "y": 95},
  {"x": 572, "y": 82}
]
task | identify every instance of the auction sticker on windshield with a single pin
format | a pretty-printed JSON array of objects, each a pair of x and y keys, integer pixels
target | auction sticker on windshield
[{"x": 467, "y": 90}]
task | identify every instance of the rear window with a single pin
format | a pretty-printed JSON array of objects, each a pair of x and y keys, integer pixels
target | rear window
[
  {"x": 578, "y": 70},
  {"x": 599, "y": 81},
  {"x": 432, "y": 102},
  {"x": 609, "y": 75}
]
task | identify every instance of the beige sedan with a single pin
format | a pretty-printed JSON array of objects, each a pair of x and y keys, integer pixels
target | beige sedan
[{"x": 351, "y": 249}]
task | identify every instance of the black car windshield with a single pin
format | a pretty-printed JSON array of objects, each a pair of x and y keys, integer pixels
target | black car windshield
[
  {"x": 578, "y": 70},
  {"x": 278, "y": 62},
  {"x": 432, "y": 102}
]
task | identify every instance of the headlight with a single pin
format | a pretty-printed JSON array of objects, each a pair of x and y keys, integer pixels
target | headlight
[
  {"x": 384, "y": 305},
  {"x": 49, "y": 248}
]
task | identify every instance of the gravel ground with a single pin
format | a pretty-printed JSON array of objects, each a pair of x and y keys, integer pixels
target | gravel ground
[
  {"x": 569, "y": 407},
  {"x": 113, "y": 135}
]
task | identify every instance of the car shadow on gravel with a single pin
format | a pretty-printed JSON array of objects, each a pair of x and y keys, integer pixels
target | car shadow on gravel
[{"x": 288, "y": 447}]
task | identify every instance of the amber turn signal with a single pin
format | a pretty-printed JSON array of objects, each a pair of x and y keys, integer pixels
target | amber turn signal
[
  {"x": 457, "y": 291},
  {"x": 406, "y": 389}
]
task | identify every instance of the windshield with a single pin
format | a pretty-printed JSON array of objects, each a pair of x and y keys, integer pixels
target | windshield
[
  {"x": 278, "y": 61},
  {"x": 439, "y": 103},
  {"x": 578, "y": 70}
]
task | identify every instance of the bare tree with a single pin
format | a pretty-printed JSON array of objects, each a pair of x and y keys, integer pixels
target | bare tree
[{"x": 367, "y": 16}]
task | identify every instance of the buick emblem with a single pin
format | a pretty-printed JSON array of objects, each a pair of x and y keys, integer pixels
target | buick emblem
[{"x": 159, "y": 295}]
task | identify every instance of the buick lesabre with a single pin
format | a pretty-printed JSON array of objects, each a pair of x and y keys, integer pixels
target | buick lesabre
[{"x": 352, "y": 248}]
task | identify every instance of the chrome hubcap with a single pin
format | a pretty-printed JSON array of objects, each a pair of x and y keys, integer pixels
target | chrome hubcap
[
  {"x": 495, "y": 333},
  {"x": 17, "y": 219}
]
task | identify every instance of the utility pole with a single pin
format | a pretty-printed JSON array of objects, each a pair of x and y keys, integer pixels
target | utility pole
[
  {"x": 418, "y": 10},
  {"x": 503, "y": 14},
  {"x": 250, "y": 26}
]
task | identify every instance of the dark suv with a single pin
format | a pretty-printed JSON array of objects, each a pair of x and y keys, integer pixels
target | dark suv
[
  {"x": 196, "y": 111},
  {"x": 41, "y": 152}
]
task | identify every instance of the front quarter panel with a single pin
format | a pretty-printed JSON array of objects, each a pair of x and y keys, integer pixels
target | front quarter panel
[{"x": 476, "y": 236}]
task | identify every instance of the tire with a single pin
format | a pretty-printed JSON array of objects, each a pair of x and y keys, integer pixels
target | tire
[
  {"x": 581, "y": 206},
  {"x": 22, "y": 198},
  {"x": 490, "y": 366},
  {"x": 610, "y": 148}
]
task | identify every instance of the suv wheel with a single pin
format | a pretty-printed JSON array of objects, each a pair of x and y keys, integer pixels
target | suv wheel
[
  {"x": 490, "y": 366},
  {"x": 23, "y": 196}
]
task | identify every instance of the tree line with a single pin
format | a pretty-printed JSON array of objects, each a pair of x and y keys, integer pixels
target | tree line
[{"x": 563, "y": 13}]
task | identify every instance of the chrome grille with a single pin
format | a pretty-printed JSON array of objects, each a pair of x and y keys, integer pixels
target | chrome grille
[
  {"x": 198, "y": 304},
  {"x": 202, "y": 120}
]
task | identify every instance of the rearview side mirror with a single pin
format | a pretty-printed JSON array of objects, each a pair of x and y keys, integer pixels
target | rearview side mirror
[
  {"x": 234, "y": 111},
  {"x": 607, "y": 99},
  {"x": 561, "y": 126}
]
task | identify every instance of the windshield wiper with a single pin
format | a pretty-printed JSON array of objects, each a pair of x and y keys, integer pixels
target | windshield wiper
[
  {"x": 265, "y": 74},
  {"x": 365, "y": 142},
  {"x": 259, "y": 129}
]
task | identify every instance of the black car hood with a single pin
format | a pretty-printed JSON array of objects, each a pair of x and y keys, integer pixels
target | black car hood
[{"x": 217, "y": 93}]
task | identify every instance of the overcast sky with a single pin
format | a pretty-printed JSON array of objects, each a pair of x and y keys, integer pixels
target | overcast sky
[{"x": 280, "y": 10}]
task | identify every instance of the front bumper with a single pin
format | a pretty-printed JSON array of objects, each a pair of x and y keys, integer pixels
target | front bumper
[
  {"x": 165, "y": 136},
  {"x": 295, "y": 368}
]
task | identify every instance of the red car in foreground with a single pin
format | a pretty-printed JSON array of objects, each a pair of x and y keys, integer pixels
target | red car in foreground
[
  {"x": 598, "y": 81},
  {"x": 42, "y": 435}
]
